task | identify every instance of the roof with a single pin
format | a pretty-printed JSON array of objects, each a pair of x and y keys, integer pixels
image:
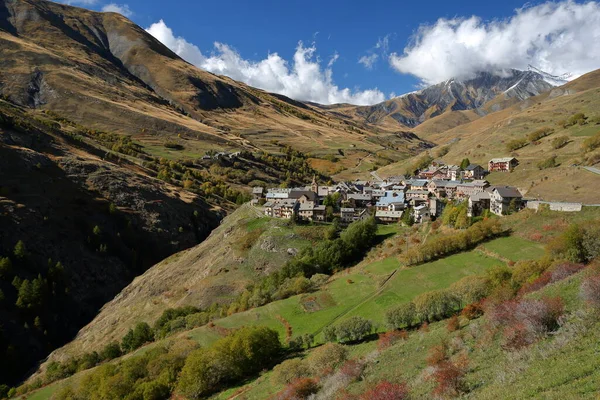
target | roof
[
  {"x": 480, "y": 182},
  {"x": 421, "y": 208},
  {"x": 359, "y": 196},
  {"x": 296, "y": 194},
  {"x": 348, "y": 210},
  {"x": 454, "y": 168},
  {"x": 480, "y": 196},
  {"x": 502, "y": 160},
  {"x": 257, "y": 190},
  {"x": 507, "y": 191},
  {"x": 417, "y": 192},
  {"x": 471, "y": 167},
  {"x": 417, "y": 182}
]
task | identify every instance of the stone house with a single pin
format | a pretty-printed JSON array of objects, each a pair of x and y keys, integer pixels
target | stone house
[
  {"x": 474, "y": 171},
  {"x": 505, "y": 164},
  {"x": 501, "y": 198}
]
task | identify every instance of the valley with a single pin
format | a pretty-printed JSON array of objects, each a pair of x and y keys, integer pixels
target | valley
[{"x": 146, "y": 238}]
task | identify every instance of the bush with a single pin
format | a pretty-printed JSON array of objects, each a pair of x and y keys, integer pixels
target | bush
[
  {"x": 387, "y": 339},
  {"x": 289, "y": 371},
  {"x": 525, "y": 321},
  {"x": 401, "y": 316},
  {"x": 579, "y": 243},
  {"x": 353, "y": 329},
  {"x": 471, "y": 289},
  {"x": 472, "y": 311},
  {"x": 591, "y": 143},
  {"x": 385, "y": 390},
  {"x": 540, "y": 133},
  {"x": 137, "y": 337},
  {"x": 300, "y": 389},
  {"x": 590, "y": 290},
  {"x": 559, "y": 142},
  {"x": 516, "y": 144},
  {"x": 449, "y": 377},
  {"x": 453, "y": 324},
  {"x": 110, "y": 351},
  {"x": 244, "y": 352},
  {"x": 576, "y": 119},
  {"x": 435, "y": 305},
  {"x": 326, "y": 358},
  {"x": 547, "y": 163},
  {"x": 448, "y": 244}
]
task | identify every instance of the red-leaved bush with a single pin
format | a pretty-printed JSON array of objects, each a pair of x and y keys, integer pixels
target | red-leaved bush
[
  {"x": 386, "y": 391},
  {"x": 590, "y": 290},
  {"x": 449, "y": 377},
  {"x": 555, "y": 274},
  {"x": 352, "y": 369},
  {"x": 453, "y": 324},
  {"x": 525, "y": 321},
  {"x": 472, "y": 311},
  {"x": 389, "y": 338},
  {"x": 298, "y": 390}
]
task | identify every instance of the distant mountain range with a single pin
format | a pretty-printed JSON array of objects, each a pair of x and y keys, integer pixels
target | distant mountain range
[{"x": 414, "y": 108}]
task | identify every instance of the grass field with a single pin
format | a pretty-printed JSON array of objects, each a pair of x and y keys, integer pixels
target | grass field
[{"x": 515, "y": 248}]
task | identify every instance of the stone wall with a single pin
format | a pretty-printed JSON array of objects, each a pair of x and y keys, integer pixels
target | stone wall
[{"x": 555, "y": 206}]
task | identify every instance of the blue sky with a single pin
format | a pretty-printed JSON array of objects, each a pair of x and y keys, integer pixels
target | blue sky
[{"x": 408, "y": 44}]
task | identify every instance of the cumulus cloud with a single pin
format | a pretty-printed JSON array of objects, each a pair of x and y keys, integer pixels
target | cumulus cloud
[
  {"x": 122, "y": 9},
  {"x": 555, "y": 37},
  {"x": 302, "y": 78}
]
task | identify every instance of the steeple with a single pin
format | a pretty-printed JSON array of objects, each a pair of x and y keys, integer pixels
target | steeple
[{"x": 314, "y": 186}]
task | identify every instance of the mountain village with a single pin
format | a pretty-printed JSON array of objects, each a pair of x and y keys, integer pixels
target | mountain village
[{"x": 424, "y": 196}]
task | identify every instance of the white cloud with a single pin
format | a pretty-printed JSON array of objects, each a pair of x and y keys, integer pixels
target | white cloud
[
  {"x": 555, "y": 37},
  {"x": 302, "y": 78},
  {"x": 368, "y": 61},
  {"x": 122, "y": 9},
  {"x": 380, "y": 50}
]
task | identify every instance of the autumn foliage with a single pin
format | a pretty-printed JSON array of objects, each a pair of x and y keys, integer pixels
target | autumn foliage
[{"x": 385, "y": 390}]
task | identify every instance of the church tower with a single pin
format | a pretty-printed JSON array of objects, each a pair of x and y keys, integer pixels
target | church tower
[{"x": 314, "y": 186}]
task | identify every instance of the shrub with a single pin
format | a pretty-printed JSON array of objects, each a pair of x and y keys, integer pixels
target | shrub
[
  {"x": 559, "y": 142},
  {"x": 472, "y": 311},
  {"x": 327, "y": 358},
  {"x": 435, "y": 305},
  {"x": 352, "y": 369},
  {"x": 525, "y": 321},
  {"x": 20, "y": 251},
  {"x": 5, "y": 267},
  {"x": 385, "y": 390},
  {"x": 471, "y": 289},
  {"x": 401, "y": 316},
  {"x": 289, "y": 371},
  {"x": 449, "y": 377},
  {"x": 591, "y": 143},
  {"x": 453, "y": 324},
  {"x": 110, "y": 351},
  {"x": 353, "y": 329},
  {"x": 590, "y": 290},
  {"x": 516, "y": 144},
  {"x": 576, "y": 119},
  {"x": 137, "y": 337},
  {"x": 242, "y": 353},
  {"x": 540, "y": 133},
  {"x": 300, "y": 389},
  {"x": 547, "y": 163},
  {"x": 387, "y": 339}
]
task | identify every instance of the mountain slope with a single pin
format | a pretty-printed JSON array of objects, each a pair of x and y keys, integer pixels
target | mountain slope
[
  {"x": 487, "y": 137},
  {"x": 415, "y": 108},
  {"x": 87, "y": 226},
  {"x": 104, "y": 72}
]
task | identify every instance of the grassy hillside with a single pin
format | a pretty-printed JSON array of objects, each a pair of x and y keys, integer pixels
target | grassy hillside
[
  {"x": 381, "y": 282},
  {"x": 488, "y": 137},
  {"x": 243, "y": 248}
]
